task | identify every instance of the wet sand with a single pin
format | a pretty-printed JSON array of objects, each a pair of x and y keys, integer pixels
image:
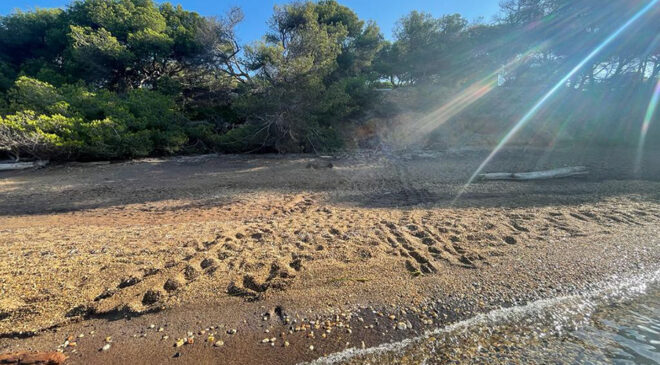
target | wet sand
[{"x": 280, "y": 247}]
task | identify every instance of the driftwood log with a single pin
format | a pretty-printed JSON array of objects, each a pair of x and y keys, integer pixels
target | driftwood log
[
  {"x": 320, "y": 165},
  {"x": 22, "y": 165},
  {"x": 536, "y": 175}
]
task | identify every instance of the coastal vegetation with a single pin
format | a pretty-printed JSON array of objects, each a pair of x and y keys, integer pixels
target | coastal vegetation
[{"x": 117, "y": 79}]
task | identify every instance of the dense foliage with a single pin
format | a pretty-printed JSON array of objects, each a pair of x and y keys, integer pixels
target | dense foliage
[{"x": 111, "y": 79}]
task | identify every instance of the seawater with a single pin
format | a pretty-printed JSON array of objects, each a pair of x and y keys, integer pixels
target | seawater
[{"x": 617, "y": 322}]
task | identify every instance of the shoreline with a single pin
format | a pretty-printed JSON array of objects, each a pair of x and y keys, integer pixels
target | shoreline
[
  {"x": 246, "y": 344},
  {"x": 239, "y": 254},
  {"x": 611, "y": 290}
]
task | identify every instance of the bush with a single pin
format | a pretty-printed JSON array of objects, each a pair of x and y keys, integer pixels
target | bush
[
  {"x": 32, "y": 94},
  {"x": 245, "y": 138},
  {"x": 72, "y": 121},
  {"x": 38, "y": 136}
]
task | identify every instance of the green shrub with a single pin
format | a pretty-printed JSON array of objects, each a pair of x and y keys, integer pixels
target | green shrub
[
  {"x": 246, "y": 138},
  {"x": 32, "y": 94},
  {"x": 38, "y": 136},
  {"x": 99, "y": 124}
]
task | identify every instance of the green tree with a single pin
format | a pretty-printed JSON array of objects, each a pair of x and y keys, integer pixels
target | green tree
[
  {"x": 425, "y": 49},
  {"x": 299, "y": 93},
  {"x": 37, "y": 136},
  {"x": 34, "y": 95}
]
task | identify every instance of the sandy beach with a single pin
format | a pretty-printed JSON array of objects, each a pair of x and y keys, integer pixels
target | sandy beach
[{"x": 283, "y": 259}]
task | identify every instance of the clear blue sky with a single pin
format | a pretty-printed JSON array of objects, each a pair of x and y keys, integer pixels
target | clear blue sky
[{"x": 257, "y": 12}]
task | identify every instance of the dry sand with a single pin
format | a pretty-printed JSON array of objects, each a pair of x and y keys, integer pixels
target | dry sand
[{"x": 278, "y": 247}]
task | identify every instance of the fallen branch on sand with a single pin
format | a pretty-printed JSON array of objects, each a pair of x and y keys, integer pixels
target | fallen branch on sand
[
  {"x": 33, "y": 358},
  {"x": 536, "y": 175},
  {"x": 22, "y": 165},
  {"x": 345, "y": 279}
]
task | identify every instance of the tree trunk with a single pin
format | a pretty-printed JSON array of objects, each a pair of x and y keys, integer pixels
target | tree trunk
[{"x": 536, "y": 175}]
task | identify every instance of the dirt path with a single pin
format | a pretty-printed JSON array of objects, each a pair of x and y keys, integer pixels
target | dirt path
[{"x": 213, "y": 244}]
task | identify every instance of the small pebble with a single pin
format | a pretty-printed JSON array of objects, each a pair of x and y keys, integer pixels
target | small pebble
[
  {"x": 105, "y": 347},
  {"x": 219, "y": 343},
  {"x": 311, "y": 347}
]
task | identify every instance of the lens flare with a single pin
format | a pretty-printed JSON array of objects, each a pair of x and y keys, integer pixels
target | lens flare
[
  {"x": 527, "y": 117},
  {"x": 457, "y": 104},
  {"x": 464, "y": 99},
  {"x": 650, "y": 111}
]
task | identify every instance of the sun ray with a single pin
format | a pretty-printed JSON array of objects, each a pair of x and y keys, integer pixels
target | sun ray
[
  {"x": 528, "y": 116},
  {"x": 650, "y": 111},
  {"x": 465, "y": 98}
]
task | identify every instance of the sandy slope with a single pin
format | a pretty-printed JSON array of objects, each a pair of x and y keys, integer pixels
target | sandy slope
[{"x": 270, "y": 242}]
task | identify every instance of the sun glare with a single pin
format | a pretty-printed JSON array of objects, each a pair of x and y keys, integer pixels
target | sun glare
[
  {"x": 650, "y": 111},
  {"x": 534, "y": 110},
  {"x": 467, "y": 97}
]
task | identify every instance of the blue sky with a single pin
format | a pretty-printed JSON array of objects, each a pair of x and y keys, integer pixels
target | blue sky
[{"x": 257, "y": 12}]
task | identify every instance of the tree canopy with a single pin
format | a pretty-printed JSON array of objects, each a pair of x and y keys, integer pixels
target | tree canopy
[{"x": 131, "y": 78}]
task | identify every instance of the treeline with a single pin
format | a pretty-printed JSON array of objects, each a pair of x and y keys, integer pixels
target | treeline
[{"x": 113, "y": 79}]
